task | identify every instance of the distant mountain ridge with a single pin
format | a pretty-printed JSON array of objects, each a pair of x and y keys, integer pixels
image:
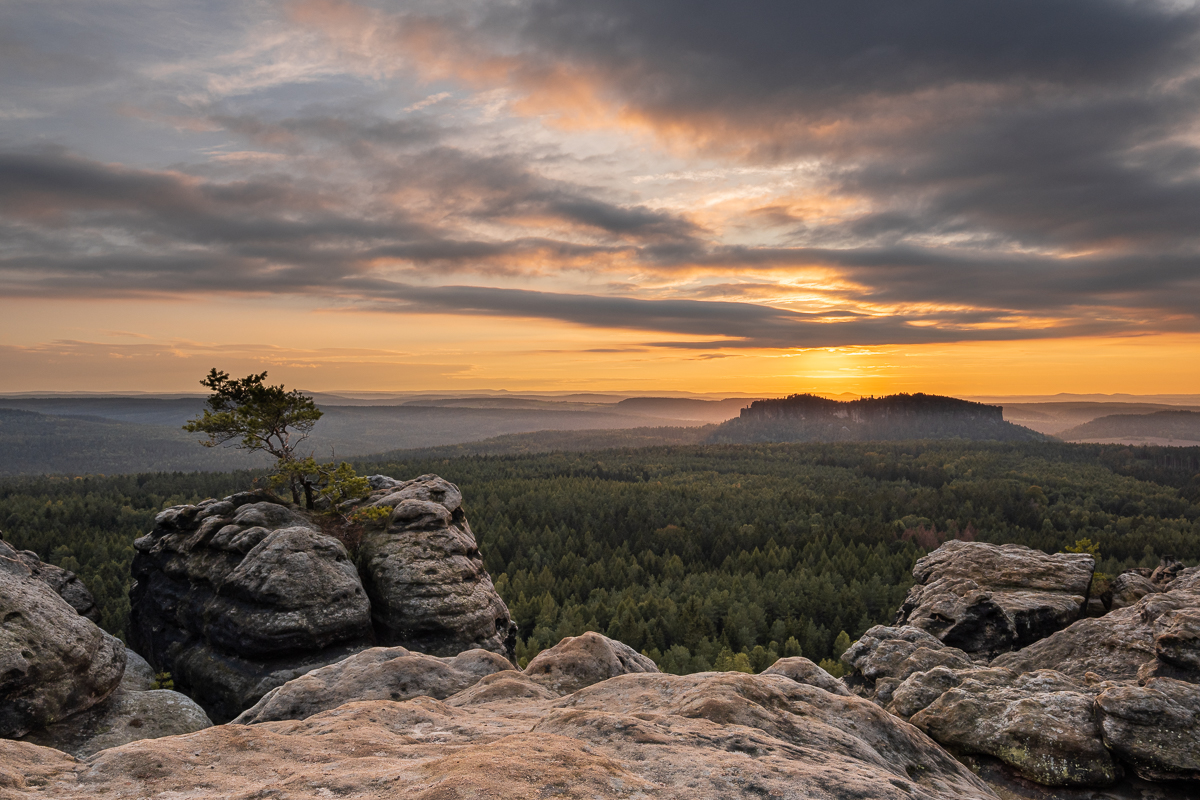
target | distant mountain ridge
[
  {"x": 1178, "y": 425},
  {"x": 810, "y": 418}
]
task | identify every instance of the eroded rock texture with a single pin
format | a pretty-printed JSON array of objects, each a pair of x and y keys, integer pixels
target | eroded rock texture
[
  {"x": 1155, "y": 728},
  {"x": 427, "y": 584},
  {"x": 235, "y": 597},
  {"x": 1123, "y": 644},
  {"x": 884, "y": 657},
  {"x": 637, "y": 735},
  {"x": 380, "y": 673},
  {"x": 989, "y": 599},
  {"x": 53, "y": 662},
  {"x": 64, "y": 582},
  {"x": 580, "y": 661},
  {"x": 1041, "y": 723}
]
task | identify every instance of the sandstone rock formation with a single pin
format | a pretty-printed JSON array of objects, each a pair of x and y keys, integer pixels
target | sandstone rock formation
[
  {"x": 989, "y": 599},
  {"x": 579, "y": 661},
  {"x": 1155, "y": 728},
  {"x": 637, "y": 735},
  {"x": 53, "y": 662},
  {"x": 425, "y": 578},
  {"x": 380, "y": 673},
  {"x": 1122, "y": 644},
  {"x": 801, "y": 670},
  {"x": 395, "y": 673},
  {"x": 1041, "y": 723},
  {"x": 238, "y": 596},
  {"x": 1079, "y": 708},
  {"x": 126, "y": 716},
  {"x": 884, "y": 657},
  {"x": 64, "y": 582}
]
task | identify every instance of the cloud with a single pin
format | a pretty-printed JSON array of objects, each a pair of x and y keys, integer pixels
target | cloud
[{"x": 715, "y": 175}]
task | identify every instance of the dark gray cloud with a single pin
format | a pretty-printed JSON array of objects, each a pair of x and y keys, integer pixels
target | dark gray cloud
[{"x": 1007, "y": 162}]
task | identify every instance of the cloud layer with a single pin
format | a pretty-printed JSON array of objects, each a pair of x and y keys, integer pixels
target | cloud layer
[{"x": 718, "y": 176}]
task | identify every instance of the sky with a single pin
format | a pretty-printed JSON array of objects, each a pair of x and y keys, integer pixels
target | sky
[{"x": 995, "y": 197}]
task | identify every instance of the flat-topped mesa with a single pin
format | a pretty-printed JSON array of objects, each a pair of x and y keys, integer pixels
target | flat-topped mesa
[
  {"x": 809, "y": 418},
  {"x": 237, "y": 596},
  {"x": 989, "y": 599},
  {"x": 870, "y": 409}
]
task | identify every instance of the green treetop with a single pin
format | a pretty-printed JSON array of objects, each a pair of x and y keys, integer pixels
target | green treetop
[{"x": 262, "y": 417}]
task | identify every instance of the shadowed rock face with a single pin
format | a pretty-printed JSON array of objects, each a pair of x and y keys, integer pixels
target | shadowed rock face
[
  {"x": 986, "y": 598},
  {"x": 236, "y": 597},
  {"x": 53, "y": 662},
  {"x": 1155, "y": 636}
]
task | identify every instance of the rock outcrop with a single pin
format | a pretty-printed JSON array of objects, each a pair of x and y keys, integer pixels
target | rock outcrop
[
  {"x": 65, "y": 583},
  {"x": 53, "y": 662},
  {"x": 639, "y": 734},
  {"x": 1041, "y": 724},
  {"x": 426, "y": 581},
  {"x": 235, "y": 597},
  {"x": 1124, "y": 644},
  {"x": 580, "y": 661},
  {"x": 395, "y": 673},
  {"x": 801, "y": 670},
  {"x": 1154, "y": 728},
  {"x": 126, "y": 716},
  {"x": 884, "y": 657},
  {"x": 989, "y": 599},
  {"x": 380, "y": 673},
  {"x": 1081, "y": 707}
]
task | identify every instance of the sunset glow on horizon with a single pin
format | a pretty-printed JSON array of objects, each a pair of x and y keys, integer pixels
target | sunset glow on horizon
[{"x": 999, "y": 198}]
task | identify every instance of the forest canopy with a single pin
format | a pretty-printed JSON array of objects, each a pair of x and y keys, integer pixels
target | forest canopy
[{"x": 695, "y": 554}]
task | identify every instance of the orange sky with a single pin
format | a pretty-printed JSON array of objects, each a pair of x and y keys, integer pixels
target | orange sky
[{"x": 770, "y": 198}]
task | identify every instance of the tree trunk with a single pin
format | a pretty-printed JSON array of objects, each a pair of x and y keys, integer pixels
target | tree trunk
[{"x": 309, "y": 502}]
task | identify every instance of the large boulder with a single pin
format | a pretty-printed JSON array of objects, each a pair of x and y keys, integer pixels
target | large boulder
[
  {"x": 1122, "y": 645},
  {"x": 989, "y": 599},
  {"x": 579, "y": 661},
  {"x": 884, "y": 657},
  {"x": 1155, "y": 728},
  {"x": 424, "y": 575},
  {"x": 801, "y": 670},
  {"x": 126, "y": 716},
  {"x": 53, "y": 662},
  {"x": 380, "y": 673},
  {"x": 234, "y": 597},
  {"x": 1041, "y": 724}
]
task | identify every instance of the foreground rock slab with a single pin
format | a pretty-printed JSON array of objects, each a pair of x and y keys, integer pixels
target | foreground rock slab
[{"x": 641, "y": 735}]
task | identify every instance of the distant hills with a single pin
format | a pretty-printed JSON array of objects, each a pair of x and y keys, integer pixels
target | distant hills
[
  {"x": 81, "y": 434},
  {"x": 810, "y": 418},
  {"x": 98, "y": 434},
  {"x": 1176, "y": 427}
]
